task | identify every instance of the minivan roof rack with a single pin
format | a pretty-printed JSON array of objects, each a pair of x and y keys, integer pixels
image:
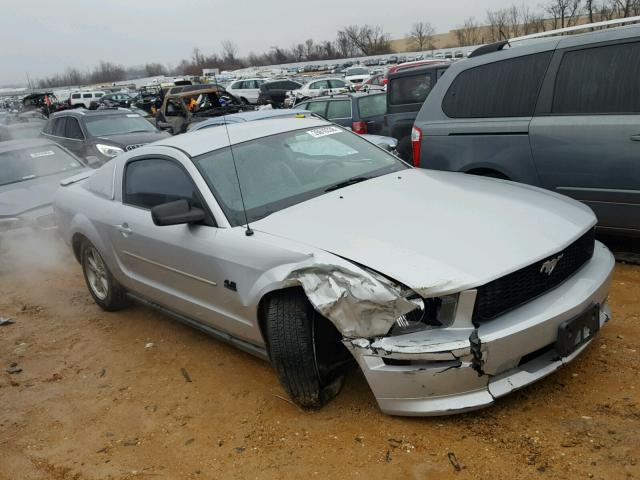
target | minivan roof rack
[{"x": 497, "y": 46}]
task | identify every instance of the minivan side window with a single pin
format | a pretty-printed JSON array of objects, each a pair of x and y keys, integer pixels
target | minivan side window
[
  {"x": 152, "y": 182},
  {"x": 507, "y": 88},
  {"x": 599, "y": 80}
]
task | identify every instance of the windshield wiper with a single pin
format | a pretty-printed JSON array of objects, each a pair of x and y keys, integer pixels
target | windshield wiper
[{"x": 346, "y": 183}]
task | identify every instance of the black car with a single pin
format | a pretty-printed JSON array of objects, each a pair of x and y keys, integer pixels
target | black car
[
  {"x": 274, "y": 93},
  {"x": 116, "y": 100},
  {"x": 362, "y": 112},
  {"x": 99, "y": 135},
  {"x": 406, "y": 92}
]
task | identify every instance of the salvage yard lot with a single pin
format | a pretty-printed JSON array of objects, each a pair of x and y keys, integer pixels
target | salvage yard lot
[{"x": 135, "y": 394}]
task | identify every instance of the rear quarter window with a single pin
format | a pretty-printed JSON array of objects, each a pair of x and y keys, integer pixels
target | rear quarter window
[
  {"x": 507, "y": 88},
  {"x": 372, "y": 106},
  {"x": 599, "y": 80}
]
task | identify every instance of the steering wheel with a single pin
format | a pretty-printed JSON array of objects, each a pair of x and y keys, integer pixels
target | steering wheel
[{"x": 325, "y": 165}]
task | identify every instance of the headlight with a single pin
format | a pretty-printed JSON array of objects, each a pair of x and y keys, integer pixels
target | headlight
[
  {"x": 429, "y": 312},
  {"x": 109, "y": 150}
]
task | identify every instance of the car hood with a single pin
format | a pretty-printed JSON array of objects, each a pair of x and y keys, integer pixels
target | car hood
[
  {"x": 435, "y": 232},
  {"x": 136, "y": 138},
  {"x": 20, "y": 198}
]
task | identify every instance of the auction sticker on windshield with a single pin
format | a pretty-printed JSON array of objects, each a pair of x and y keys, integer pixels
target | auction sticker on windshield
[
  {"x": 42, "y": 154},
  {"x": 323, "y": 131}
]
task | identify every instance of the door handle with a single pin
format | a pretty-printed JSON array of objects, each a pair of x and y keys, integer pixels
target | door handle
[
  {"x": 635, "y": 138},
  {"x": 124, "y": 229}
]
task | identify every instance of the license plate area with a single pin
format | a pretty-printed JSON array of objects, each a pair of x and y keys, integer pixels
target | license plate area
[{"x": 579, "y": 330}]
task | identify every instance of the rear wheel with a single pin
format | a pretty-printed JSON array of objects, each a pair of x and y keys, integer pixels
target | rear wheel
[
  {"x": 104, "y": 289},
  {"x": 305, "y": 349}
]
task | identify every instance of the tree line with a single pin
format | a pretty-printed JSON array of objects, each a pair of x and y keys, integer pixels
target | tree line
[{"x": 366, "y": 40}]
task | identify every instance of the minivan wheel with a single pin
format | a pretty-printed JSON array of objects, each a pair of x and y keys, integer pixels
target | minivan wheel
[
  {"x": 305, "y": 349},
  {"x": 104, "y": 289}
]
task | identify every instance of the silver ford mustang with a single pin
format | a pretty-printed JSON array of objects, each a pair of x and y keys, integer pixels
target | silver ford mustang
[{"x": 311, "y": 247}]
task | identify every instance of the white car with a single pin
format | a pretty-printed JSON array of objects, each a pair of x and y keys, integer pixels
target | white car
[
  {"x": 85, "y": 98},
  {"x": 247, "y": 90},
  {"x": 324, "y": 86},
  {"x": 356, "y": 75}
]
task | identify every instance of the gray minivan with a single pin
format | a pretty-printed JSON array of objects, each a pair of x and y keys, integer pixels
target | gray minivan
[{"x": 562, "y": 113}]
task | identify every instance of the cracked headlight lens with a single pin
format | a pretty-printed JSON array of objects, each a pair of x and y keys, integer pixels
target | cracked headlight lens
[
  {"x": 429, "y": 313},
  {"x": 109, "y": 150}
]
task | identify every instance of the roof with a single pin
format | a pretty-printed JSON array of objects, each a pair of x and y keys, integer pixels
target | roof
[
  {"x": 208, "y": 139},
  {"x": 83, "y": 112},
  {"x": 27, "y": 143},
  {"x": 249, "y": 116},
  {"x": 345, "y": 95}
]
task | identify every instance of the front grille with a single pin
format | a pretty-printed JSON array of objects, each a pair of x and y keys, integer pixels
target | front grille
[
  {"x": 128, "y": 148},
  {"x": 517, "y": 288}
]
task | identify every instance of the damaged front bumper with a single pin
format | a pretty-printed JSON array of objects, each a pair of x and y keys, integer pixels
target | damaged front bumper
[{"x": 462, "y": 368}]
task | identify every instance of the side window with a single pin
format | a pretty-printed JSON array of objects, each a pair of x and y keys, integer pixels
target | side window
[
  {"x": 372, "y": 106},
  {"x": 508, "y": 88},
  {"x": 318, "y": 107},
  {"x": 75, "y": 95},
  {"x": 98, "y": 95},
  {"x": 59, "y": 127},
  {"x": 339, "y": 109},
  {"x": 152, "y": 182},
  {"x": 302, "y": 106},
  {"x": 72, "y": 130},
  {"x": 599, "y": 80},
  {"x": 319, "y": 85},
  {"x": 410, "y": 89},
  {"x": 337, "y": 84},
  {"x": 86, "y": 95}
]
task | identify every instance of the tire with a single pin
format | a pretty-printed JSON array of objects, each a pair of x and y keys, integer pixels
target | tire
[
  {"x": 244, "y": 101},
  {"x": 405, "y": 149},
  {"x": 293, "y": 330},
  {"x": 104, "y": 289}
]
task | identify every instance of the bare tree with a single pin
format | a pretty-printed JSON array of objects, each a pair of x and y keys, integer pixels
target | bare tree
[
  {"x": 229, "y": 50},
  {"x": 469, "y": 33},
  {"x": 564, "y": 12},
  {"x": 497, "y": 23},
  {"x": 421, "y": 36},
  {"x": 515, "y": 22},
  {"x": 368, "y": 39}
]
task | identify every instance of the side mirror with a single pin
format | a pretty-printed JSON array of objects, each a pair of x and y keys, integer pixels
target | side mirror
[
  {"x": 166, "y": 126},
  {"x": 176, "y": 213}
]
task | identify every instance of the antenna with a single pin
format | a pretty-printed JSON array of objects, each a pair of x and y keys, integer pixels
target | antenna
[{"x": 248, "y": 232}]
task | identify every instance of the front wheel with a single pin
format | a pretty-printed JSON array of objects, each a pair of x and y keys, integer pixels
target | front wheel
[
  {"x": 104, "y": 289},
  {"x": 305, "y": 349}
]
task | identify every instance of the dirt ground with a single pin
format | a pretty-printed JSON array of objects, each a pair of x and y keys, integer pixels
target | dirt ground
[{"x": 106, "y": 395}]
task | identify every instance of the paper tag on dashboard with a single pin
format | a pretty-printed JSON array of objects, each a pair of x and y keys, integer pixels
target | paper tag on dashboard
[
  {"x": 42, "y": 154},
  {"x": 323, "y": 131}
]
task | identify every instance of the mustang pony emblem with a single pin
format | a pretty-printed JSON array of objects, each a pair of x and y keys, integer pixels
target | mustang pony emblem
[{"x": 548, "y": 266}]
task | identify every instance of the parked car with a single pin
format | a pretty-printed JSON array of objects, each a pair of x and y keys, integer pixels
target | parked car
[
  {"x": 372, "y": 83},
  {"x": 246, "y": 90},
  {"x": 356, "y": 75},
  {"x": 30, "y": 174},
  {"x": 179, "y": 110},
  {"x": 406, "y": 92},
  {"x": 21, "y": 126},
  {"x": 116, "y": 100},
  {"x": 85, "y": 98},
  {"x": 560, "y": 113},
  {"x": 325, "y": 86},
  {"x": 296, "y": 268},
  {"x": 362, "y": 112},
  {"x": 274, "y": 93},
  {"x": 97, "y": 136}
]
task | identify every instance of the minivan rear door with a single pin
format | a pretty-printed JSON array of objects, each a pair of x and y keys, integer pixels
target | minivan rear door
[{"x": 585, "y": 136}]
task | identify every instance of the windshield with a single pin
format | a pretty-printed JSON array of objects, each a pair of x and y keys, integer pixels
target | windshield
[
  {"x": 282, "y": 170},
  {"x": 28, "y": 163},
  {"x": 102, "y": 126},
  {"x": 357, "y": 71}
]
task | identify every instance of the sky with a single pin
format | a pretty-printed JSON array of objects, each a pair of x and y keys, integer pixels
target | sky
[{"x": 44, "y": 37}]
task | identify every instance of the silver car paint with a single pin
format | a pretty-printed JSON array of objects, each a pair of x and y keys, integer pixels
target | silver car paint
[{"x": 434, "y": 232}]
